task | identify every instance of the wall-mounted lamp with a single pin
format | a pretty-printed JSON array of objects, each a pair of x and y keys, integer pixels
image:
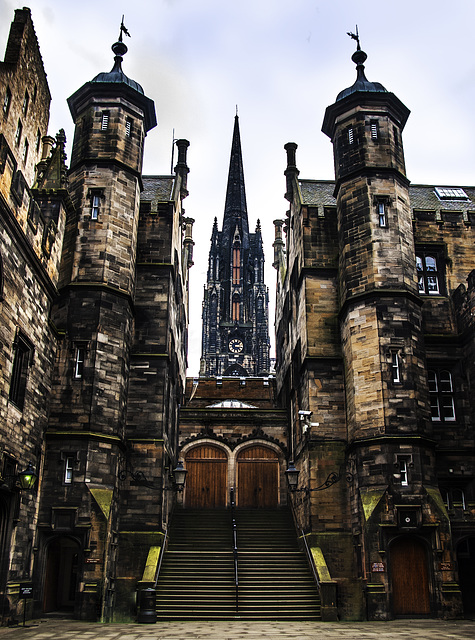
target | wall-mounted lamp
[
  {"x": 179, "y": 475},
  {"x": 28, "y": 477},
  {"x": 292, "y": 475},
  {"x": 24, "y": 480}
]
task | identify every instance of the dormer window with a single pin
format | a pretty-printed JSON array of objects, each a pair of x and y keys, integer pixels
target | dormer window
[{"x": 450, "y": 193}]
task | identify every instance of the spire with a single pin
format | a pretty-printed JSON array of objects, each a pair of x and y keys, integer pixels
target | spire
[{"x": 235, "y": 208}]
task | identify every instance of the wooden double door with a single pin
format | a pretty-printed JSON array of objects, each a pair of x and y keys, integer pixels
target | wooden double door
[{"x": 208, "y": 483}]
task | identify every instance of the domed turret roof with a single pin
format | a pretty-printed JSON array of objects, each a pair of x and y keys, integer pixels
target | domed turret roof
[
  {"x": 362, "y": 83},
  {"x": 116, "y": 75}
]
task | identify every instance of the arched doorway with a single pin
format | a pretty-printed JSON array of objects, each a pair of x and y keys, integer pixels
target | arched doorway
[
  {"x": 206, "y": 481},
  {"x": 258, "y": 477},
  {"x": 466, "y": 567},
  {"x": 409, "y": 577},
  {"x": 62, "y": 558}
]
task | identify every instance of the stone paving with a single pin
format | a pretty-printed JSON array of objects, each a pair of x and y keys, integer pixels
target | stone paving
[{"x": 244, "y": 630}]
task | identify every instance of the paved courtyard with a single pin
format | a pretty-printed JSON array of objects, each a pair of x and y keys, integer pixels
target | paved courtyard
[{"x": 245, "y": 630}]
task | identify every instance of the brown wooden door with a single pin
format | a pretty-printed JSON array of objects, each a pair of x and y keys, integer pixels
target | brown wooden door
[
  {"x": 258, "y": 477},
  {"x": 206, "y": 480},
  {"x": 409, "y": 576}
]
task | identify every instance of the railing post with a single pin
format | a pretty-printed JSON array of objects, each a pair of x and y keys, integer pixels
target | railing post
[{"x": 235, "y": 549}]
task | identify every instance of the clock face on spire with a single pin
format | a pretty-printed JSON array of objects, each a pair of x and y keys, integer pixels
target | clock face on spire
[{"x": 236, "y": 345}]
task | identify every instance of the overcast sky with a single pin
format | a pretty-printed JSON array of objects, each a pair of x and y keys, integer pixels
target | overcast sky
[{"x": 282, "y": 62}]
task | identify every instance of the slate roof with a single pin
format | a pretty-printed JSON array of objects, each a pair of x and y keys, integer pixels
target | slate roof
[
  {"x": 157, "y": 188},
  {"x": 423, "y": 196}
]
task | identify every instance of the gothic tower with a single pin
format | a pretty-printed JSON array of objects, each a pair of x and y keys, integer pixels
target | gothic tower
[{"x": 235, "y": 339}]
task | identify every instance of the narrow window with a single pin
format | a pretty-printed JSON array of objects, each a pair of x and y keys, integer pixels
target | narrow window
[
  {"x": 25, "y": 151},
  {"x": 383, "y": 222},
  {"x": 403, "y": 472},
  {"x": 105, "y": 120},
  {"x": 7, "y": 101},
  {"x": 96, "y": 205},
  {"x": 21, "y": 361},
  {"x": 395, "y": 367},
  {"x": 38, "y": 140},
  {"x": 236, "y": 264},
  {"x": 26, "y": 102},
  {"x": 351, "y": 136},
  {"x": 128, "y": 127},
  {"x": 374, "y": 129},
  {"x": 79, "y": 362},
  {"x": 236, "y": 308},
  {"x": 441, "y": 395},
  {"x": 403, "y": 462},
  {"x": 68, "y": 469},
  {"x": 35, "y": 93},
  {"x": 18, "y": 131},
  {"x": 396, "y": 137}
]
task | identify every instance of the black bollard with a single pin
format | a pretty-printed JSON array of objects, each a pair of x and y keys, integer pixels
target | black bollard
[{"x": 147, "y": 607}]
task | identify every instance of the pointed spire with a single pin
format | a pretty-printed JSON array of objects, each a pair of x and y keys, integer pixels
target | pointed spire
[{"x": 235, "y": 206}]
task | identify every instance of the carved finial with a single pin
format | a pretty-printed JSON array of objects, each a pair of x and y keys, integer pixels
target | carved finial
[
  {"x": 123, "y": 29},
  {"x": 355, "y": 36}
]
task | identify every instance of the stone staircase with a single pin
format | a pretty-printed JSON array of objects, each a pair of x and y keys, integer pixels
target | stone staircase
[{"x": 197, "y": 579}]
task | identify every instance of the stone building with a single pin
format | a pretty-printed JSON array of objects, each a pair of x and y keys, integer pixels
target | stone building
[
  {"x": 94, "y": 272},
  {"x": 235, "y": 339},
  {"x": 375, "y": 340},
  {"x": 371, "y": 406}
]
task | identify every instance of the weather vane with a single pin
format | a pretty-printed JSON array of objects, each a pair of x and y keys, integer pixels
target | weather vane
[
  {"x": 356, "y": 37},
  {"x": 123, "y": 29}
]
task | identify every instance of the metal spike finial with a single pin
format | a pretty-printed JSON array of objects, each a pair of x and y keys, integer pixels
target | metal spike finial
[
  {"x": 123, "y": 29},
  {"x": 355, "y": 36}
]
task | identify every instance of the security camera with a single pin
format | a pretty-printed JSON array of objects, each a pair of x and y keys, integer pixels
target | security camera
[{"x": 305, "y": 413}]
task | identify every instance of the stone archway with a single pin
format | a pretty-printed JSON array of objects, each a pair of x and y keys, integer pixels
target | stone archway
[{"x": 257, "y": 477}]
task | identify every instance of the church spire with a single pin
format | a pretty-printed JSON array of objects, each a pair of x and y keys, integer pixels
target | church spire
[{"x": 235, "y": 209}]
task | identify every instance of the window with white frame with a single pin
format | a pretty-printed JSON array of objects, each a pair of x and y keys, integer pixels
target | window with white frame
[
  {"x": 351, "y": 135},
  {"x": 105, "y": 120},
  {"x": 79, "y": 362},
  {"x": 68, "y": 469},
  {"x": 428, "y": 265},
  {"x": 374, "y": 129},
  {"x": 403, "y": 463},
  {"x": 382, "y": 217},
  {"x": 395, "y": 367},
  {"x": 441, "y": 393}
]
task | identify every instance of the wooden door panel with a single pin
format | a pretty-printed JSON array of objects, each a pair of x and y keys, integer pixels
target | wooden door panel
[
  {"x": 258, "y": 478},
  {"x": 206, "y": 480},
  {"x": 409, "y": 576}
]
